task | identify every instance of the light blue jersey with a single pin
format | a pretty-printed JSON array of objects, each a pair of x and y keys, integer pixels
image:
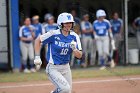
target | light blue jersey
[
  {"x": 26, "y": 32},
  {"x": 59, "y": 46},
  {"x": 38, "y": 29},
  {"x": 101, "y": 28},
  {"x": 86, "y": 25},
  {"x": 48, "y": 27},
  {"x": 116, "y": 25}
]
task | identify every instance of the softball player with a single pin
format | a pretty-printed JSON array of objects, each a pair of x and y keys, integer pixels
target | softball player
[
  {"x": 102, "y": 31},
  {"x": 117, "y": 28},
  {"x": 136, "y": 25},
  {"x": 38, "y": 27},
  {"x": 50, "y": 24},
  {"x": 61, "y": 43},
  {"x": 26, "y": 34},
  {"x": 87, "y": 40}
]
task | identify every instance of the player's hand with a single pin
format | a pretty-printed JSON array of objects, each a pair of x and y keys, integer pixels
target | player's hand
[
  {"x": 73, "y": 45},
  {"x": 113, "y": 44},
  {"x": 37, "y": 62}
]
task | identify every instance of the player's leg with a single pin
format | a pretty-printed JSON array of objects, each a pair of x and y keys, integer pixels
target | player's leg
[
  {"x": 67, "y": 74},
  {"x": 56, "y": 77},
  {"x": 100, "y": 51},
  {"x": 24, "y": 53},
  {"x": 85, "y": 50},
  {"x": 92, "y": 51},
  {"x": 31, "y": 56},
  {"x": 106, "y": 51}
]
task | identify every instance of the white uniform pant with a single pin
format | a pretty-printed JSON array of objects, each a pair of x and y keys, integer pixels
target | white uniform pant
[
  {"x": 27, "y": 50},
  {"x": 60, "y": 76},
  {"x": 103, "y": 46},
  {"x": 89, "y": 47}
]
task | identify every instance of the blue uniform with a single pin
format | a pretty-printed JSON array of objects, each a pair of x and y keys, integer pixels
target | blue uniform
[
  {"x": 86, "y": 25},
  {"x": 101, "y": 28},
  {"x": 48, "y": 27},
  {"x": 59, "y": 46},
  {"x": 116, "y": 25},
  {"x": 137, "y": 23},
  {"x": 38, "y": 29},
  {"x": 26, "y": 32}
]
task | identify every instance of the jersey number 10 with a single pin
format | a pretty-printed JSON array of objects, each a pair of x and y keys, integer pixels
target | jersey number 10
[{"x": 64, "y": 51}]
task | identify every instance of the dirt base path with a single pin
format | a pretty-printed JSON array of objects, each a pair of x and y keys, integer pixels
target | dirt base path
[{"x": 129, "y": 84}]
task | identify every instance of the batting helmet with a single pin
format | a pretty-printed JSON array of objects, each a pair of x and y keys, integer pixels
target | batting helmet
[
  {"x": 100, "y": 13},
  {"x": 64, "y": 18}
]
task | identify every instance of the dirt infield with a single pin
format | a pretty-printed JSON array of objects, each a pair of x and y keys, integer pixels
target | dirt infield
[{"x": 128, "y": 84}]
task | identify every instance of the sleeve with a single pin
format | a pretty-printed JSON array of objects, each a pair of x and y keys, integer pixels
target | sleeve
[
  {"x": 79, "y": 47},
  {"x": 47, "y": 37},
  {"x": 20, "y": 32}
]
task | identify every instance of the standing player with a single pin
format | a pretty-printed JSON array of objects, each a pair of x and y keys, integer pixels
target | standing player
[
  {"x": 117, "y": 28},
  {"x": 38, "y": 27},
  {"x": 87, "y": 40},
  {"x": 61, "y": 43},
  {"x": 50, "y": 25},
  {"x": 102, "y": 31},
  {"x": 26, "y": 35},
  {"x": 136, "y": 25}
]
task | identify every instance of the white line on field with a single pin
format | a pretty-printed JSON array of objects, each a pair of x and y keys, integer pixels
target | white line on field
[{"x": 76, "y": 82}]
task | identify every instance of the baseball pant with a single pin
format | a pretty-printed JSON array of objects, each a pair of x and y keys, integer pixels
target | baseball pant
[
  {"x": 27, "y": 50},
  {"x": 103, "y": 45},
  {"x": 60, "y": 76},
  {"x": 89, "y": 47},
  {"x": 117, "y": 38}
]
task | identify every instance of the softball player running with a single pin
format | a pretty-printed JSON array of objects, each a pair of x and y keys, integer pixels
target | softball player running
[
  {"x": 26, "y": 34},
  {"x": 102, "y": 31},
  {"x": 61, "y": 43}
]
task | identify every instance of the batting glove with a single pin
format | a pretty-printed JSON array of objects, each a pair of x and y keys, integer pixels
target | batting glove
[
  {"x": 73, "y": 45},
  {"x": 37, "y": 62},
  {"x": 113, "y": 44}
]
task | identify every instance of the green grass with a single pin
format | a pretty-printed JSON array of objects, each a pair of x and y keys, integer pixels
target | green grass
[{"x": 76, "y": 73}]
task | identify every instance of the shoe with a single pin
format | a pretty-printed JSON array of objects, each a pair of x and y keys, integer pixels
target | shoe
[
  {"x": 51, "y": 92},
  {"x": 112, "y": 64},
  {"x": 27, "y": 71},
  {"x": 103, "y": 68},
  {"x": 33, "y": 70}
]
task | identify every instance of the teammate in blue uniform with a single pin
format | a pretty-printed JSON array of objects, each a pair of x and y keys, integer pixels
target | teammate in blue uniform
[
  {"x": 61, "y": 44},
  {"x": 117, "y": 28},
  {"x": 136, "y": 25},
  {"x": 89, "y": 46},
  {"x": 26, "y": 35},
  {"x": 102, "y": 31},
  {"x": 38, "y": 29},
  {"x": 50, "y": 25}
]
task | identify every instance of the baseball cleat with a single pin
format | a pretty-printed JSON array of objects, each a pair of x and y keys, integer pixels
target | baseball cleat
[
  {"x": 33, "y": 70},
  {"x": 27, "y": 71},
  {"x": 112, "y": 64},
  {"x": 103, "y": 68}
]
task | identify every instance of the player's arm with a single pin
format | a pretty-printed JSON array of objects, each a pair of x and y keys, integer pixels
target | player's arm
[
  {"x": 77, "y": 53},
  {"x": 42, "y": 39},
  {"x": 76, "y": 47}
]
